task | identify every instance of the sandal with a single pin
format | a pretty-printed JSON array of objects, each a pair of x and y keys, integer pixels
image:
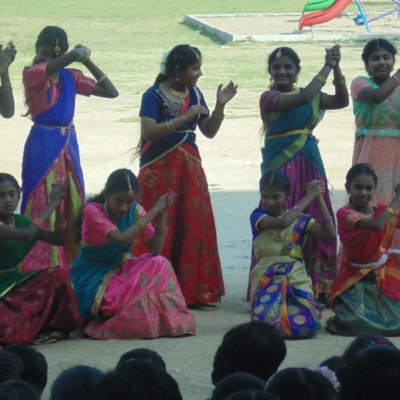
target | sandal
[{"x": 50, "y": 337}]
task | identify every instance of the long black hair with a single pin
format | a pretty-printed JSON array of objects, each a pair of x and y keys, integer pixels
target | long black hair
[{"x": 120, "y": 180}]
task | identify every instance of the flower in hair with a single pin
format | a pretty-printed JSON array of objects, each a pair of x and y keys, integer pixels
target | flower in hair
[
  {"x": 163, "y": 64},
  {"x": 329, "y": 374}
]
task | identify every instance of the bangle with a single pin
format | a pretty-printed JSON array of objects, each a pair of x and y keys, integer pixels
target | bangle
[
  {"x": 143, "y": 223},
  {"x": 6, "y": 87},
  {"x": 39, "y": 223},
  {"x": 328, "y": 64},
  {"x": 320, "y": 79},
  {"x": 87, "y": 58},
  {"x": 297, "y": 209},
  {"x": 340, "y": 82},
  {"x": 162, "y": 231},
  {"x": 216, "y": 117},
  {"x": 326, "y": 220},
  {"x": 170, "y": 126},
  {"x": 397, "y": 198},
  {"x": 391, "y": 211},
  {"x": 60, "y": 227},
  {"x": 101, "y": 79},
  {"x": 396, "y": 79}
]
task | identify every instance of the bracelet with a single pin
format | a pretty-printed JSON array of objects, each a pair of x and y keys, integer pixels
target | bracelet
[
  {"x": 340, "y": 82},
  {"x": 101, "y": 79},
  {"x": 216, "y": 117},
  {"x": 162, "y": 231},
  {"x": 326, "y": 220},
  {"x": 143, "y": 223},
  {"x": 297, "y": 209},
  {"x": 87, "y": 58},
  {"x": 39, "y": 223},
  {"x": 6, "y": 87},
  {"x": 60, "y": 227},
  {"x": 320, "y": 79},
  {"x": 170, "y": 126},
  {"x": 396, "y": 79},
  {"x": 328, "y": 64},
  {"x": 391, "y": 211},
  {"x": 397, "y": 198}
]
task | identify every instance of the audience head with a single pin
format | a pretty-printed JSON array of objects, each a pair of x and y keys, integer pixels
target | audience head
[
  {"x": 301, "y": 384},
  {"x": 251, "y": 395},
  {"x": 236, "y": 382},
  {"x": 143, "y": 354},
  {"x": 35, "y": 365},
  {"x": 76, "y": 383},
  {"x": 373, "y": 374},
  {"x": 138, "y": 379},
  {"x": 17, "y": 390},
  {"x": 255, "y": 347},
  {"x": 11, "y": 367}
]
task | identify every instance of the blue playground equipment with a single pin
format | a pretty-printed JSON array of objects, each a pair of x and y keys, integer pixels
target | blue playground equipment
[{"x": 364, "y": 19}]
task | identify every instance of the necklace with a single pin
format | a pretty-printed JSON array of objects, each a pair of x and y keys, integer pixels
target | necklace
[
  {"x": 180, "y": 95},
  {"x": 369, "y": 215}
]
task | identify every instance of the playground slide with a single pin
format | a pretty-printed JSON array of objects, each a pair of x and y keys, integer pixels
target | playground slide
[
  {"x": 320, "y": 17},
  {"x": 317, "y": 5}
]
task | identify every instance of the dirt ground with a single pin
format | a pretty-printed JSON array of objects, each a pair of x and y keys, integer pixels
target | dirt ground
[{"x": 231, "y": 162}]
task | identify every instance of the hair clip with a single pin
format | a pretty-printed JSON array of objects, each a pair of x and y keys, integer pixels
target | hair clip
[
  {"x": 131, "y": 193},
  {"x": 279, "y": 53},
  {"x": 57, "y": 49}
]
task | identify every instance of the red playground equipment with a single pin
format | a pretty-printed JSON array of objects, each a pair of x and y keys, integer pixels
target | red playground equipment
[
  {"x": 320, "y": 17},
  {"x": 326, "y": 10}
]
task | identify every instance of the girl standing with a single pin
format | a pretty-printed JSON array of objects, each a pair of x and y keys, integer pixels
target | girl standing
[
  {"x": 281, "y": 291},
  {"x": 290, "y": 115},
  {"x": 376, "y": 107},
  {"x": 171, "y": 110},
  {"x": 120, "y": 296},
  {"x": 366, "y": 295},
  {"x": 38, "y": 306},
  {"x": 51, "y": 150}
]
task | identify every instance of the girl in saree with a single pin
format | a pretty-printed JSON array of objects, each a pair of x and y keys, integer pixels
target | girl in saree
[
  {"x": 281, "y": 290},
  {"x": 7, "y": 56},
  {"x": 366, "y": 295},
  {"x": 51, "y": 150},
  {"x": 38, "y": 306},
  {"x": 376, "y": 107},
  {"x": 290, "y": 115},
  {"x": 170, "y": 112},
  {"x": 120, "y": 296}
]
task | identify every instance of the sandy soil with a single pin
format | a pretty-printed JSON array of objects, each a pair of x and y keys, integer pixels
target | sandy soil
[
  {"x": 289, "y": 24},
  {"x": 231, "y": 162}
]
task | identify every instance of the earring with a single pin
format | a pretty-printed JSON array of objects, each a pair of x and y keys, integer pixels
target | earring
[
  {"x": 271, "y": 83},
  {"x": 177, "y": 79}
]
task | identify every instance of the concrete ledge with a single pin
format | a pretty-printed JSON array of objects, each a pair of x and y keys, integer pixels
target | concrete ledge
[{"x": 206, "y": 23}]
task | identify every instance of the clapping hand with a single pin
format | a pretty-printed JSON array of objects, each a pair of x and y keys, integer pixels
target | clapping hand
[
  {"x": 226, "y": 94},
  {"x": 7, "y": 56}
]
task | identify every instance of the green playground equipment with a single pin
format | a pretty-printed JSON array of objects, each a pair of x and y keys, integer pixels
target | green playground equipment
[{"x": 317, "y": 5}]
